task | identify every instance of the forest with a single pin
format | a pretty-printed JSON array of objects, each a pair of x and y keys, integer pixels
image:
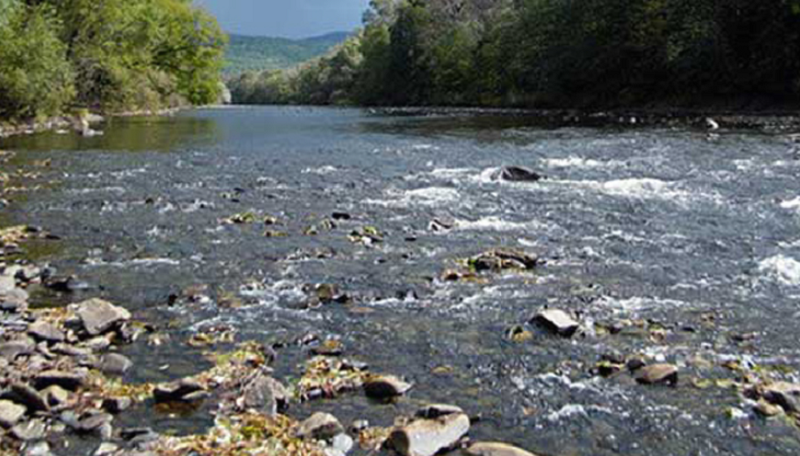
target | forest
[
  {"x": 724, "y": 54},
  {"x": 259, "y": 53},
  {"x": 111, "y": 56}
]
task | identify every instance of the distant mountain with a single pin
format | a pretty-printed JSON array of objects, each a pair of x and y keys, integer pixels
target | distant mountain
[{"x": 255, "y": 53}]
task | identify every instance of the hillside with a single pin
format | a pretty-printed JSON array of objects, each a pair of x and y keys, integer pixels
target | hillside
[{"x": 255, "y": 53}]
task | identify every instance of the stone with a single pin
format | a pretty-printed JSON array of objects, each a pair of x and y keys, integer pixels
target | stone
[
  {"x": 106, "y": 449},
  {"x": 767, "y": 410},
  {"x": 265, "y": 395},
  {"x": 99, "y": 316},
  {"x": 38, "y": 449},
  {"x": 785, "y": 395},
  {"x": 341, "y": 443},
  {"x": 93, "y": 423},
  {"x": 385, "y": 386},
  {"x": 502, "y": 259},
  {"x": 427, "y": 437},
  {"x": 516, "y": 174},
  {"x": 117, "y": 405},
  {"x": 433, "y": 411},
  {"x": 557, "y": 321},
  {"x": 7, "y": 283},
  {"x": 68, "y": 380},
  {"x": 494, "y": 449},
  {"x": 12, "y": 349},
  {"x": 138, "y": 435},
  {"x": 46, "y": 332},
  {"x": 55, "y": 395},
  {"x": 657, "y": 374},
  {"x": 176, "y": 391},
  {"x": 319, "y": 426},
  {"x": 114, "y": 364},
  {"x": 30, "y": 430},
  {"x": 25, "y": 395},
  {"x": 10, "y": 413}
]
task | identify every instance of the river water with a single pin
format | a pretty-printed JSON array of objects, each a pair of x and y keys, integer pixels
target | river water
[{"x": 694, "y": 234}]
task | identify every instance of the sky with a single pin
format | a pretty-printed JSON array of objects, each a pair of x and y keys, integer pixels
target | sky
[{"x": 286, "y": 18}]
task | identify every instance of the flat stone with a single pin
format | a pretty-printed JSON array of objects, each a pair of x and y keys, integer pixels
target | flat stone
[
  {"x": 68, "y": 380},
  {"x": 494, "y": 449},
  {"x": 46, "y": 332},
  {"x": 114, "y": 364},
  {"x": 30, "y": 430},
  {"x": 557, "y": 321},
  {"x": 385, "y": 386},
  {"x": 99, "y": 316},
  {"x": 433, "y": 411},
  {"x": 10, "y": 413},
  {"x": 25, "y": 395},
  {"x": 785, "y": 395},
  {"x": 427, "y": 437},
  {"x": 657, "y": 374},
  {"x": 12, "y": 349},
  {"x": 176, "y": 391},
  {"x": 320, "y": 426}
]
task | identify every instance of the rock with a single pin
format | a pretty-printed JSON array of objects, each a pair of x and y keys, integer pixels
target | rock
[
  {"x": 10, "y": 413},
  {"x": 494, "y": 449},
  {"x": 557, "y": 321},
  {"x": 341, "y": 444},
  {"x": 428, "y": 437},
  {"x": 106, "y": 449},
  {"x": 501, "y": 259},
  {"x": 264, "y": 394},
  {"x": 25, "y": 395},
  {"x": 320, "y": 426},
  {"x": 31, "y": 430},
  {"x": 635, "y": 364},
  {"x": 433, "y": 411},
  {"x": 116, "y": 405},
  {"x": 658, "y": 374},
  {"x": 516, "y": 174},
  {"x": 439, "y": 225},
  {"x": 68, "y": 380},
  {"x": 99, "y": 316},
  {"x": 385, "y": 386},
  {"x": 66, "y": 284},
  {"x": 114, "y": 364},
  {"x": 12, "y": 349},
  {"x": 94, "y": 423},
  {"x": 55, "y": 396},
  {"x": 7, "y": 283},
  {"x": 38, "y": 449},
  {"x": 46, "y": 332},
  {"x": 766, "y": 409},
  {"x": 338, "y": 216},
  {"x": 784, "y": 394},
  {"x": 358, "y": 425},
  {"x": 138, "y": 435},
  {"x": 176, "y": 391}
]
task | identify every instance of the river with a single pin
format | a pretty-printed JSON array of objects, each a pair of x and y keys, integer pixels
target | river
[{"x": 688, "y": 240}]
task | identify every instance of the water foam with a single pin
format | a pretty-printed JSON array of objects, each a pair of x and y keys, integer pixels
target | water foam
[
  {"x": 792, "y": 205},
  {"x": 429, "y": 196},
  {"x": 782, "y": 268}
]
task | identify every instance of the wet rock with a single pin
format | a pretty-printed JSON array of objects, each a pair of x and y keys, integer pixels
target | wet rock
[
  {"x": 46, "y": 332},
  {"x": 785, "y": 395},
  {"x": 341, "y": 216},
  {"x": 25, "y": 395},
  {"x": 501, "y": 259},
  {"x": 433, "y": 411},
  {"x": 68, "y": 380},
  {"x": 635, "y": 364},
  {"x": 264, "y": 394},
  {"x": 439, "y": 225},
  {"x": 657, "y": 374},
  {"x": 55, "y": 396},
  {"x": 99, "y": 316},
  {"x": 10, "y": 413},
  {"x": 494, "y": 449},
  {"x": 117, "y": 405},
  {"x": 12, "y": 349},
  {"x": 320, "y": 426},
  {"x": 386, "y": 386},
  {"x": 179, "y": 391},
  {"x": 66, "y": 284},
  {"x": 557, "y": 321},
  {"x": 427, "y": 437},
  {"x": 114, "y": 364},
  {"x": 516, "y": 174},
  {"x": 28, "y": 431}
]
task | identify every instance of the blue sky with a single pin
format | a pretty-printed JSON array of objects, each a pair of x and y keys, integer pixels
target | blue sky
[{"x": 287, "y": 18}]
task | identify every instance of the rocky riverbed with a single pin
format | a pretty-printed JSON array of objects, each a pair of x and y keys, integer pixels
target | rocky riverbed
[{"x": 292, "y": 281}]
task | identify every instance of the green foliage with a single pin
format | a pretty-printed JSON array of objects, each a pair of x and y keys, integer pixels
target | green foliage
[
  {"x": 112, "y": 55},
  {"x": 254, "y": 54},
  {"x": 562, "y": 53}
]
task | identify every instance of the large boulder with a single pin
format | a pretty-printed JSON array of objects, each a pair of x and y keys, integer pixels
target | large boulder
[
  {"x": 426, "y": 437},
  {"x": 517, "y": 174},
  {"x": 99, "y": 316}
]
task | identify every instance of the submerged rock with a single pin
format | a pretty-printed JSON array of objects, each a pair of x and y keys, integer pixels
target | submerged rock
[
  {"x": 657, "y": 374},
  {"x": 385, "y": 386},
  {"x": 99, "y": 316},
  {"x": 557, "y": 321},
  {"x": 495, "y": 449},
  {"x": 517, "y": 174},
  {"x": 426, "y": 437}
]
